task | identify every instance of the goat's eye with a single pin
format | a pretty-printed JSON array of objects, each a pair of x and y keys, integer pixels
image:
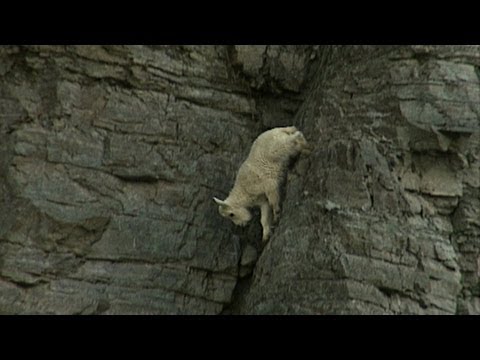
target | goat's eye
[{"x": 231, "y": 215}]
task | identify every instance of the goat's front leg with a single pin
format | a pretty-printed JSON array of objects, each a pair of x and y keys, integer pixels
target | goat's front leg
[
  {"x": 273, "y": 197},
  {"x": 266, "y": 220}
]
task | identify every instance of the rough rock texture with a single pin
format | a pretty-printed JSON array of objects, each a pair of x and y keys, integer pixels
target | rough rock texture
[{"x": 110, "y": 157}]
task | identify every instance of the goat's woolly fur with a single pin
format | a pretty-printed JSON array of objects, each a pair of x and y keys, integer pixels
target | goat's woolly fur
[{"x": 259, "y": 177}]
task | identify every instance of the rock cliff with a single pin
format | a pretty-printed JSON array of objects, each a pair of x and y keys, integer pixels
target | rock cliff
[{"x": 110, "y": 157}]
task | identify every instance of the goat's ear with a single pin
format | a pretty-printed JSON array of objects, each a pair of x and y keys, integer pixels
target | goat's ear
[{"x": 220, "y": 202}]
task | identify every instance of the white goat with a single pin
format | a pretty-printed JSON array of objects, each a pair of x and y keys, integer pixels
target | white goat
[{"x": 258, "y": 179}]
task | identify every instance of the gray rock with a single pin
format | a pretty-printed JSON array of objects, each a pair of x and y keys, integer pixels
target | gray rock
[{"x": 110, "y": 157}]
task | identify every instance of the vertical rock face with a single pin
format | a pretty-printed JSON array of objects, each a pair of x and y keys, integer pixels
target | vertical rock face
[
  {"x": 383, "y": 217},
  {"x": 110, "y": 157}
]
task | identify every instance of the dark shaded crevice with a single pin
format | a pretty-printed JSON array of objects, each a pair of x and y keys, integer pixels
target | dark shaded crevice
[
  {"x": 139, "y": 178},
  {"x": 243, "y": 237},
  {"x": 238, "y": 296}
]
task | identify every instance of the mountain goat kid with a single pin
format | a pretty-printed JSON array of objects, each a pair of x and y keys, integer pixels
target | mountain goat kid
[{"x": 259, "y": 177}]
